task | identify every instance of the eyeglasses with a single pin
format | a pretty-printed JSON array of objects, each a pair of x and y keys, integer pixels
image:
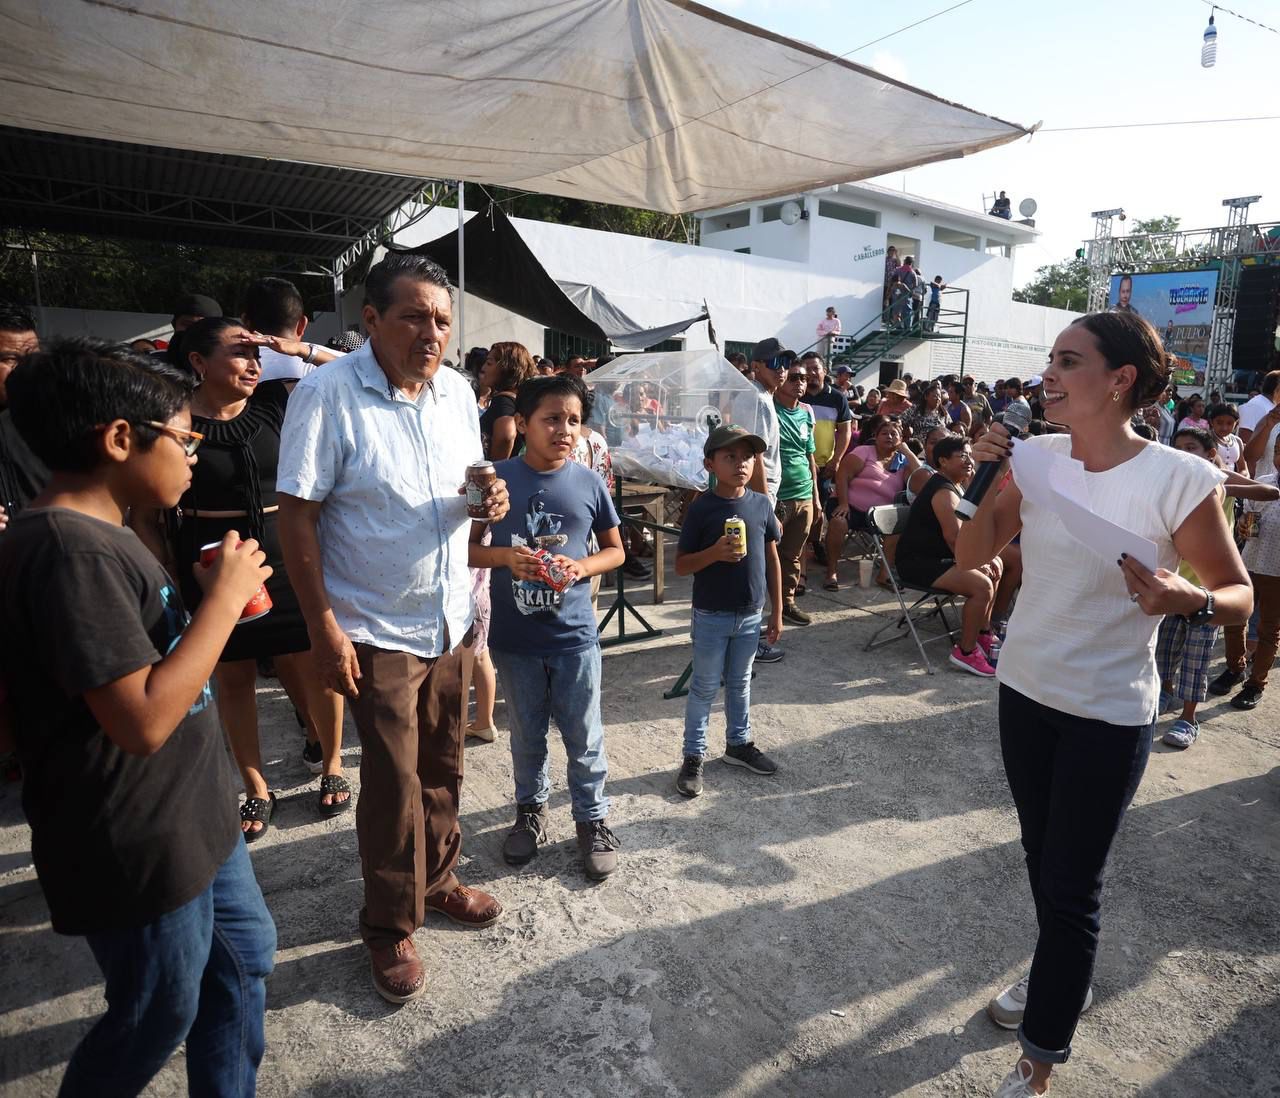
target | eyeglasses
[
  {"x": 188, "y": 440},
  {"x": 798, "y": 377}
]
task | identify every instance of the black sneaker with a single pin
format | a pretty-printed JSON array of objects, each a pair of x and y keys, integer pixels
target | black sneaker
[
  {"x": 750, "y": 756},
  {"x": 599, "y": 848},
  {"x": 766, "y": 653},
  {"x": 1248, "y": 698},
  {"x": 689, "y": 780},
  {"x": 820, "y": 553},
  {"x": 528, "y": 833},
  {"x": 637, "y": 569},
  {"x": 1226, "y": 682},
  {"x": 313, "y": 756},
  {"x": 792, "y": 613}
]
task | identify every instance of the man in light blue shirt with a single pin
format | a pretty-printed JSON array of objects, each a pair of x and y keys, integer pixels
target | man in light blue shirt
[{"x": 373, "y": 456}]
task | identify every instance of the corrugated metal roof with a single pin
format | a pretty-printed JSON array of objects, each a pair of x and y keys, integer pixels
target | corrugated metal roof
[{"x": 62, "y": 183}]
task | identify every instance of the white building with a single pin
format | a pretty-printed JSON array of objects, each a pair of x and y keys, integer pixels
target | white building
[{"x": 762, "y": 276}]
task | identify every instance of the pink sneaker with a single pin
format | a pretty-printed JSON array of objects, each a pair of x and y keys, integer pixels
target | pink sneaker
[
  {"x": 988, "y": 642},
  {"x": 975, "y": 662}
]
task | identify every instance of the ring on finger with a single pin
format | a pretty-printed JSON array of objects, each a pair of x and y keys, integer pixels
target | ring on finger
[{"x": 1134, "y": 597}]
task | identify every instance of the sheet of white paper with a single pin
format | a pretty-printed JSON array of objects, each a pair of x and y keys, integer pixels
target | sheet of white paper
[
  {"x": 1041, "y": 473},
  {"x": 1066, "y": 476},
  {"x": 1104, "y": 537},
  {"x": 1057, "y": 482},
  {"x": 1031, "y": 465}
]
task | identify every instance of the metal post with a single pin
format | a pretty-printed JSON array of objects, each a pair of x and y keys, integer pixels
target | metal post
[
  {"x": 337, "y": 296},
  {"x": 35, "y": 274},
  {"x": 462, "y": 272}
]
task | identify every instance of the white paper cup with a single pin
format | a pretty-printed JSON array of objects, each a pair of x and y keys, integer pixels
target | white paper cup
[{"x": 865, "y": 568}]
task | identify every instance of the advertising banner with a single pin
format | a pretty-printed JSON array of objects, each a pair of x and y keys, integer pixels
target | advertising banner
[{"x": 1180, "y": 306}]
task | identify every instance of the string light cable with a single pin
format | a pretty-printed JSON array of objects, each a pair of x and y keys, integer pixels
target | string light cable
[
  {"x": 1149, "y": 125},
  {"x": 1245, "y": 18}
]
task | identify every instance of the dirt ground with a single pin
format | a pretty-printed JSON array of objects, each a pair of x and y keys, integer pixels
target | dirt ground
[{"x": 833, "y": 931}]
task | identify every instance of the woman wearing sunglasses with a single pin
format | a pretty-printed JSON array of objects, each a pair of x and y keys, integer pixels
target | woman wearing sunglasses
[{"x": 236, "y": 423}]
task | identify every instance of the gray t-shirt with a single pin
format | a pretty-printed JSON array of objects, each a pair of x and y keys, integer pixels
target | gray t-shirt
[{"x": 771, "y": 457}]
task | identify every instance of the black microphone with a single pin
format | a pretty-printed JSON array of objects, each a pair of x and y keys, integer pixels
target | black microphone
[{"x": 1017, "y": 417}]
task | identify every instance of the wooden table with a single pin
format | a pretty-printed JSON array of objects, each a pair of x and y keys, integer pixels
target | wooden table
[{"x": 648, "y": 500}]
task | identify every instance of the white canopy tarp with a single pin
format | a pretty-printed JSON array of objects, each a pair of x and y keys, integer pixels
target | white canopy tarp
[{"x": 661, "y": 104}]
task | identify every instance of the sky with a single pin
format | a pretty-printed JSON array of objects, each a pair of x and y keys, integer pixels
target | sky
[{"x": 1084, "y": 64}]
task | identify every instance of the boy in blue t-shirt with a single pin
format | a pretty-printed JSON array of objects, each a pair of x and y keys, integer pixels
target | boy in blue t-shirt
[
  {"x": 728, "y": 601},
  {"x": 545, "y": 644}
]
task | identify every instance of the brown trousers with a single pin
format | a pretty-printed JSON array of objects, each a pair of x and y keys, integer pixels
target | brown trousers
[
  {"x": 408, "y": 716},
  {"x": 1266, "y": 592},
  {"x": 796, "y": 516}
]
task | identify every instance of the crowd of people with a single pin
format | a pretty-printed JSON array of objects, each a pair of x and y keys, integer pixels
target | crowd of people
[{"x": 155, "y": 499}]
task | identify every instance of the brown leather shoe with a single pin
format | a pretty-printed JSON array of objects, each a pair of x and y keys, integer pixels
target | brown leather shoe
[
  {"x": 397, "y": 971},
  {"x": 468, "y": 906}
]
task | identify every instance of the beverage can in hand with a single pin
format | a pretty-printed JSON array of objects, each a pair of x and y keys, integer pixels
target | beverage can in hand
[
  {"x": 1249, "y": 525},
  {"x": 735, "y": 529},
  {"x": 481, "y": 477},
  {"x": 258, "y": 606},
  {"x": 551, "y": 572}
]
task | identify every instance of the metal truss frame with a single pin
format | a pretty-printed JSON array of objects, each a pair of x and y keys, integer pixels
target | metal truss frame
[{"x": 1229, "y": 245}]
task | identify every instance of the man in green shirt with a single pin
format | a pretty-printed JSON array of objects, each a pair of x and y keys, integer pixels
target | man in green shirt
[{"x": 798, "y": 490}]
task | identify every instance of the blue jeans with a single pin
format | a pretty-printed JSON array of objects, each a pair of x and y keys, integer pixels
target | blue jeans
[
  {"x": 566, "y": 687},
  {"x": 724, "y": 643},
  {"x": 197, "y": 974}
]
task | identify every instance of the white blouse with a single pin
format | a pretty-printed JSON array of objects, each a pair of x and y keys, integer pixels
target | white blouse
[
  {"x": 1262, "y": 553},
  {"x": 1075, "y": 642}
]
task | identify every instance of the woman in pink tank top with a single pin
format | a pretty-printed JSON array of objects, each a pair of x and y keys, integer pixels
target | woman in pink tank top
[{"x": 867, "y": 477}]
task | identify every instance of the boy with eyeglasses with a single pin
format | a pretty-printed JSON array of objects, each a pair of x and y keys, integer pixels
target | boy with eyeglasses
[{"x": 134, "y": 830}]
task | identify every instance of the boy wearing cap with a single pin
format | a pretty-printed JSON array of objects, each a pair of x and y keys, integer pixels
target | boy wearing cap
[{"x": 728, "y": 601}]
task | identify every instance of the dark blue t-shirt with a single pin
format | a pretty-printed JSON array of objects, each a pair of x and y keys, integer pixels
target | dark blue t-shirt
[
  {"x": 725, "y": 586},
  {"x": 556, "y": 511}
]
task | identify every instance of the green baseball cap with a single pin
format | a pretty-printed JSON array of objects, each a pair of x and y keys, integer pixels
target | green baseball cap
[{"x": 729, "y": 433}]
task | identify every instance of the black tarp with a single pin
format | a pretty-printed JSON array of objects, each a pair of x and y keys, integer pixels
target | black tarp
[{"x": 502, "y": 269}]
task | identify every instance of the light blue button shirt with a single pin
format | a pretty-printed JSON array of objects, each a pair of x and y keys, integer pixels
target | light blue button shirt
[{"x": 393, "y": 529}]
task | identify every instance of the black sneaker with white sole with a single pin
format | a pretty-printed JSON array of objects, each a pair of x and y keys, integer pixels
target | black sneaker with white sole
[
  {"x": 750, "y": 756},
  {"x": 689, "y": 780},
  {"x": 1226, "y": 682},
  {"x": 313, "y": 756},
  {"x": 1248, "y": 697}
]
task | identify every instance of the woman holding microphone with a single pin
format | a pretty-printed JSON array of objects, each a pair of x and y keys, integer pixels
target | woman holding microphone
[{"x": 1078, "y": 685}]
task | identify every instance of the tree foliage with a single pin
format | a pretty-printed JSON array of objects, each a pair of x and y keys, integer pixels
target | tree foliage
[
  {"x": 586, "y": 215},
  {"x": 142, "y": 276},
  {"x": 1062, "y": 285},
  {"x": 83, "y": 272},
  {"x": 1065, "y": 285}
]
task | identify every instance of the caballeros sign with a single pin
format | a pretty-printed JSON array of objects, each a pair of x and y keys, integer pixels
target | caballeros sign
[{"x": 867, "y": 253}]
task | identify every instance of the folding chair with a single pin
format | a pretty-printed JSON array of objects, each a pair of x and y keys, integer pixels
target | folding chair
[{"x": 931, "y": 602}]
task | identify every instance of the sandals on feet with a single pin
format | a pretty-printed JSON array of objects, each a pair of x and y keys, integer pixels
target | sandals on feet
[
  {"x": 831, "y": 585},
  {"x": 332, "y": 785},
  {"x": 257, "y": 810}
]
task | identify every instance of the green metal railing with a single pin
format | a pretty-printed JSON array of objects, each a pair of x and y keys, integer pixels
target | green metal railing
[{"x": 881, "y": 334}]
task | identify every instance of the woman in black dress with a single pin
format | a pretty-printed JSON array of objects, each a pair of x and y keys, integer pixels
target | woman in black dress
[
  {"x": 926, "y": 554},
  {"x": 234, "y": 488}
]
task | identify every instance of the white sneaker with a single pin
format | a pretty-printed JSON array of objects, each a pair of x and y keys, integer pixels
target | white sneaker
[
  {"x": 1017, "y": 1084},
  {"x": 1007, "y": 1008}
]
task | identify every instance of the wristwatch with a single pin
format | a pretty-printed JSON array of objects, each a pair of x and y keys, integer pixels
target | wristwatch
[
  {"x": 311, "y": 354},
  {"x": 1205, "y": 614}
]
